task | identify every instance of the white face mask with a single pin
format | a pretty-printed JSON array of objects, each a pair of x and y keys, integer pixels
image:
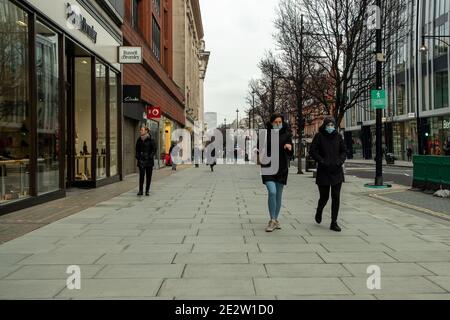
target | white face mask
[{"x": 277, "y": 127}]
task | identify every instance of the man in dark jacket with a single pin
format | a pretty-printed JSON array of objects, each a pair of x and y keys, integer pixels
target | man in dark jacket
[
  {"x": 145, "y": 153},
  {"x": 328, "y": 149}
]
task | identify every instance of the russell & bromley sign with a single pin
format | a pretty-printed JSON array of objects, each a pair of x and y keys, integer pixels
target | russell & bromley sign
[{"x": 130, "y": 55}]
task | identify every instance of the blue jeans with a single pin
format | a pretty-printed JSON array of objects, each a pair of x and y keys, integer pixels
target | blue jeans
[{"x": 275, "y": 190}]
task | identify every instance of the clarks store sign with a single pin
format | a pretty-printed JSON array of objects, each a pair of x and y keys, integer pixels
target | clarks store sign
[{"x": 75, "y": 20}]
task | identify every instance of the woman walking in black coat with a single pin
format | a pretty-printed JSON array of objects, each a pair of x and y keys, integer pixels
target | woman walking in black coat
[
  {"x": 275, "y": 182},
  {"x": 211, "y": 153},
  {"x": 328, "y": 149},
  {"x": 145, "y": 153}
]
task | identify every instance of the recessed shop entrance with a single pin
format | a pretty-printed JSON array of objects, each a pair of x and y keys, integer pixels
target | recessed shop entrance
[{"x": 91, "y": 119}]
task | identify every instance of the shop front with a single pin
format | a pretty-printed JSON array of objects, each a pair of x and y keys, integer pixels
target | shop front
[
  {"x": 60, "y": 115},
  {"x": 167, "y": 127},
  {"x": 436, "y": 131}
]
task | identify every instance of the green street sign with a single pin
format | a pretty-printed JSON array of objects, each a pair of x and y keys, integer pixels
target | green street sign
[{"x": 378, "y": 99}]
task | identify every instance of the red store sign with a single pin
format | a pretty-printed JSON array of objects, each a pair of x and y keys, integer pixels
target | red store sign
[{"x": 153, "y": 112}]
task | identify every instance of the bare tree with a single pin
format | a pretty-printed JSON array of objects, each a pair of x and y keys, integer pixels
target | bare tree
[
  {"x": 268, "y": 92},
  {"x": 297, "y": 54},
  {"x": 347, "y": 48}
]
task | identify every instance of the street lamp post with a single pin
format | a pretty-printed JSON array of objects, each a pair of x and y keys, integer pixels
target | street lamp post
[
  {"x": 379, "y": 85},
  {"x": 237, "y": 119},
  {"x": 300, "y": 104},
  {"x": 253, "y": 109}
]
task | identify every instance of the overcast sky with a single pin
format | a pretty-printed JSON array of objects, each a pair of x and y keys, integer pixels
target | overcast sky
[{"x": 237, "y": 33}]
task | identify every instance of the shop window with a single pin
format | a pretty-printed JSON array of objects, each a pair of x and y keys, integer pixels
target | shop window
[
  {"x": 113, "y": 142},
  {"x": 157, "y": 7},
  {"x": 83, "y": 118},
  {"x": 14, "y": 103},
  {"x": 156, "y": 39},
  {"x": 135, "y": 14},
  {"x": 401, "y": 99},
  {"x": 47, "y": 109},
  {"x": 100, "y": 92},
  {"x": 441, "y": 90}
]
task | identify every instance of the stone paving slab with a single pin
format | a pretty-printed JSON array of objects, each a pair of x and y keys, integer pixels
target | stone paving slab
[
  {"x": 388, "y": 269},
  {"x": 290, "y": 247},
  {"x": 335, "y": 239},
  {"x": 358, "y": 247},
  {"x": 153, "y": 248},
  {"x": 278, "y": 257},
  {"x": 78, "y": 248},
  {"x": 207, "y": 287},
  {"x": 208, "y": 258},
  {"x": 30, "y": 289},
  {"x": 422, "y": 256},
  {"x": 51, "y": 272},
  {"x": 6, "y": 270},
  {"x": 287, "y": 270},
  {"x": 348, "y": 257},
  {"x": 152, "y": 240},
  {"x": 232, "y": 271},
  {"x": 214, "y": 239},
  {"x": 141, "y": 271},
  {"x": 442, "y": 281},
  {"x": 61, "y": 258},
  {"x": 136, "y": 258},
  {"x": 105, "y": 288},
  {"x": 438, "y": 268},
  {"x": 301, "y": 286},
  {"x": 394, "y": 285},
  {"x": 221, "y": 247}
]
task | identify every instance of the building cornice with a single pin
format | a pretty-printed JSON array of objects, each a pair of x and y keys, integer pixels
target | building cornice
[{"x": 198, "y": 18}]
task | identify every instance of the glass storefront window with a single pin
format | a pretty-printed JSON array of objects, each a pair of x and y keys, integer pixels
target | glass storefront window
[
  {"x": 101, "y": 120},
  {"x": 441, "y": 90},
  {"x": 411, "y": 136},
  {"x": 83, "y": 108},
  {"x": 113, "y": 141},
  {"x": 14, "y": 103},
  {"x": 47, "y": 109}
]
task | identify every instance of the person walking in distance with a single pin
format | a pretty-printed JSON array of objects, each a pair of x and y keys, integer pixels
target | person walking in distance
[
  {"x": 145, "y": 153},
  {"x": 409, "y": 153},
  {"x": 211, "y": 154},
  {"x": 276, "y": 182},
  {"x": 328, "y": 149}
]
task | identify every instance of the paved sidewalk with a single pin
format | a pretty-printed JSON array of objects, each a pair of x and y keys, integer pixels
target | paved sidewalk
[
  {"x": 398, "y": 163},
  {"x": 16, "y": 224},
  {"x": 201, "y": 236},
  {"x": 421, "y": 201}
]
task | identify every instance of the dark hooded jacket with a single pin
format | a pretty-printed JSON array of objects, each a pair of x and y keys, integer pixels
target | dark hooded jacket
[
  {"x": 145, "y": 152},
  {"x": 285, "y": 136},
  {"x": 330, "y": 153}
]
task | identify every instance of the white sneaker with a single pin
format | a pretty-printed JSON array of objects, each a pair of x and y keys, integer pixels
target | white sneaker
[
  {"x": 271, "y": 226},
  {"x": 277, "y": 225}
]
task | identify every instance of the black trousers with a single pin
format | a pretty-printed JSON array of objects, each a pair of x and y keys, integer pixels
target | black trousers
[
  {"x": 335, "y": 200},
  {"x": 146, "y": 171}
]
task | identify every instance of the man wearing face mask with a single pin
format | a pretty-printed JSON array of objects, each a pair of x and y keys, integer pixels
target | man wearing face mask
[{"x": 328, "y": 149}]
